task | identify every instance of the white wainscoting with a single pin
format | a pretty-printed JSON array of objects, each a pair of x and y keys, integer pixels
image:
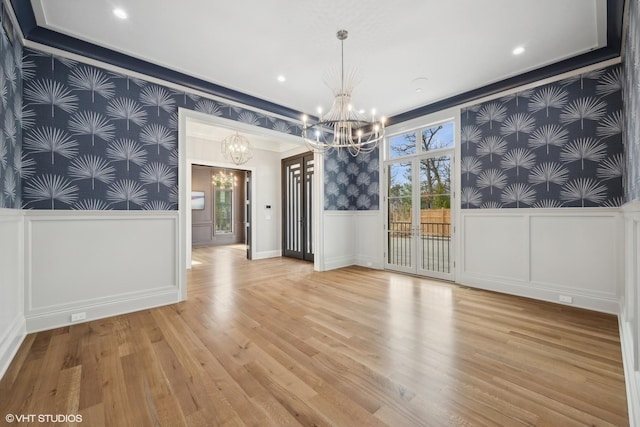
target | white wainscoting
[
  {"x": 98, "y": 263},
  {"x": 12, "y": 321},
  {"x": 544, "y": 254},
  {"x": 630, "y": 310},
  {"x": 338, "y": 235},
  {"x": 369, "y": 239}
]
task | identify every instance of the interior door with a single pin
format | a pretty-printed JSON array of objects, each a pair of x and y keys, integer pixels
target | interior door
[
  {"x": 247, "y": 215},
  {"x": 297, "y": 197},
  {"x": 418, "y": 216}
]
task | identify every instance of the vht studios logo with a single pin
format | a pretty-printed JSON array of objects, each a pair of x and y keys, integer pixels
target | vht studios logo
[{"x": 43, "y": 418}]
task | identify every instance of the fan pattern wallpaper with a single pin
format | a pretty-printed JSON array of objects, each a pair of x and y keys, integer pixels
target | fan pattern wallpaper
[
  {"x": 351, "y": 183},
  {"x": 100, "y": 140},
  {"x": 10, "y": 118},
  {"x": 558, "y": 145},
  {"x": 632, "y": 102},
  {"x": 75, "y": 136}
]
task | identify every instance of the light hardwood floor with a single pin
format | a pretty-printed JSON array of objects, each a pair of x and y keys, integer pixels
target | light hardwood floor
[{"x": 273, "y": 343}]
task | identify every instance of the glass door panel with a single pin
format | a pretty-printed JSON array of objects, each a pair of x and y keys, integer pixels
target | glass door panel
[
  {"x": 400, "y": 252},
  {"x": 418, "y": 221},
  {"x": 434, "y": 240}
]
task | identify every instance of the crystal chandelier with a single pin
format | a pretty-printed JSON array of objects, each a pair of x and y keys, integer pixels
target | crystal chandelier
[
  {"x": 343, "y": 126},
  {"x": 237, "y": 148}
]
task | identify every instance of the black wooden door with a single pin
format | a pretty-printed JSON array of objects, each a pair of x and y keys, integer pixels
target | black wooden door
[
  {"x": 247, "y": 216},
  {"x": 297, "y": 202}
]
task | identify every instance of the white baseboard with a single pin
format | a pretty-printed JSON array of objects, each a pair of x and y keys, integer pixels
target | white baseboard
[
  {"x": 267, "y": 254},
  {"x": 116, "y": 306},
  {"x": 10, "y": 343},
  {"x": 338, "y": 262},
  {"x": 538, "y": 291}
]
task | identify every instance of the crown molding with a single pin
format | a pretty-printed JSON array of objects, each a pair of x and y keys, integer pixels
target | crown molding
[{"x": 32, "y": 32}]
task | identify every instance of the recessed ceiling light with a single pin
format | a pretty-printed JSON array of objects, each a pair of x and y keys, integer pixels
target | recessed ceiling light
[
  {"x": 282, "y": 78},
  {"x": 419, "y": 83},
  {"x": 120, "y": 13},
  {"x": 519, "y": 50}
]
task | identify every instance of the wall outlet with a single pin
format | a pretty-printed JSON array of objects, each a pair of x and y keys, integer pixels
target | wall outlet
[
  {"x": 76, "y": 317},
  {"x": 565, "y": 298}
]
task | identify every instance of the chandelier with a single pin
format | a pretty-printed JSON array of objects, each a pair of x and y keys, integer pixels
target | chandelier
[
  {"x": 224, "y": 180},
  {"x": 237, "y": 148},
  {"x": 343, "y": 126}
]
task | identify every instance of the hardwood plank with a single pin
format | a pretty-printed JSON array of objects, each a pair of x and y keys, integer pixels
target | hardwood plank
[
  {"x": 274, "y": 343},
  {"x": 67, "y": 398}
]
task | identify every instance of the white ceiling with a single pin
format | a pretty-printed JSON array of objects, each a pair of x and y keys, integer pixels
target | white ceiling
[{"x": 450, "y": 46}]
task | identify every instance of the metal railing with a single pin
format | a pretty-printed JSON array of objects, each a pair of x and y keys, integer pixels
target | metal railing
[{"x": 434, "y": 239}]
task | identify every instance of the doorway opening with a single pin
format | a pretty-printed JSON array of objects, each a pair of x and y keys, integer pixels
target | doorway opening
[
  {"x": 218, "y": 200},
  {"x": 199, "y": 137}
]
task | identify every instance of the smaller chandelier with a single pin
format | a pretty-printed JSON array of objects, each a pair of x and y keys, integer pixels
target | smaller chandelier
[
  {"x": 343, "y": 126},
  {"x": 224, "y": 180},
  {"x": 237, "y": 148}
]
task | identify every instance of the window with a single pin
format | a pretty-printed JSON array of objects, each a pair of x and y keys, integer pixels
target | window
[
  {"x": 224, "y": 210},
  {"x": 437, "y": 137},
  {"x": 402, "y": 145},
  {"x": 434, "y": 137},
  {"x": 224, "y": 184}
]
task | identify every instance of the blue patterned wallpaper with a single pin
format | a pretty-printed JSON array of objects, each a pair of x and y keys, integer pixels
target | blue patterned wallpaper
[
  {"x": 632, "y": 102},
  {"x": 103, "y": 140},
  {"x": 12, "y": 165},
  {"x": 351, "y": 183},
  {"x": 558, "y": 145}
]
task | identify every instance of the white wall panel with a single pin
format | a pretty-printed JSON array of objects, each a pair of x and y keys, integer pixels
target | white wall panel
[
  {"x": 338, "y": 239},
  {"x": 630, "y": 316},
  {"x": 495, "y": 246},
  {"x": 101, "y": 264},
  {"x": 545, "y": 254},
  {"x": 576, "y": 253},
  {"x": 369, "y": 239},
  {"x": 12, "y": 322}
]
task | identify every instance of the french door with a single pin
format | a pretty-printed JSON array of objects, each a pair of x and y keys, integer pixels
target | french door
[
  {"x": 297, "y": 197},
  {"x": 418, "y": 222}
]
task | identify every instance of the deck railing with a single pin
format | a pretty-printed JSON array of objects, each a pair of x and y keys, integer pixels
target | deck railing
[{"x": 434, "y": 239}]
